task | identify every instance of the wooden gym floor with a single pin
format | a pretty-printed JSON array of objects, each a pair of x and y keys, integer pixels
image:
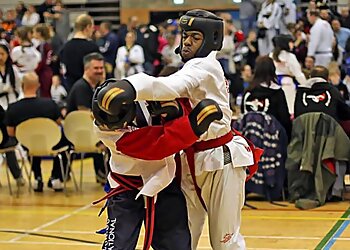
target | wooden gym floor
[{"x": 51, "y": 220}]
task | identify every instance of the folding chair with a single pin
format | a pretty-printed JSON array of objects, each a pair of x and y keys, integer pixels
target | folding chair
[
  {"x": 39, "y": 135},
  {"x": 3, "y": 151},
  {"x": 79, "y": 130}
]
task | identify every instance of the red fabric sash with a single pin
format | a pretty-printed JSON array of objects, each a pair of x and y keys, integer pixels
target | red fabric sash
[
  {"x": 214, "y": 143},
  {"x": 127, "y": 183}
]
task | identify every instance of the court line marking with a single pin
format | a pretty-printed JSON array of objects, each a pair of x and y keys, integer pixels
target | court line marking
[
  {"x": 203, "y": 235},
  {"x": 52, "y": 222},
  {"x": 334, "y": 232},
  {"x": 249, "y": 217},
  {"x": 139, "y": 247}
]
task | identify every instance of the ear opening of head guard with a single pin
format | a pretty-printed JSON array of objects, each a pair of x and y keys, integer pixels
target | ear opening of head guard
[
  {"x": 125, "y": 117},
  {"x": 210, "y": 25}
]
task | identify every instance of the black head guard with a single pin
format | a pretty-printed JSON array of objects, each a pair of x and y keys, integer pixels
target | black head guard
[{"x": 210, "y": 25}]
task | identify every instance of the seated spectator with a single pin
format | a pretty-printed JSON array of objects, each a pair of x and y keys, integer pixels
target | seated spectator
[
  {"x": 265, "y": 95},
  {"x": 320, "y": 96},
  {"x": 335, "y": 79},
  {"x": 11, "y": 159},
  {"x": 10, "y": 89},
  {"x": 130, "y": 58},
  {"x": 30, "y": 17},
  {"x": 25, "y": 56},
  {"x": 309, "y": 63},
  {"x": 29, "y": 107},
  {"x": 80, "y": 98}
]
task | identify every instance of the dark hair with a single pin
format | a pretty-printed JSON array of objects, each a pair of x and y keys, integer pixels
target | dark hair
[
  {"x": 9, "y": 68},
  {"x": 265, "y": 72},
  {"x": 280, "y": 42},
  {"x": 314, "y": 12},
  {"x": 92, "y": 56},
  {"x": 319, "y": 71}
]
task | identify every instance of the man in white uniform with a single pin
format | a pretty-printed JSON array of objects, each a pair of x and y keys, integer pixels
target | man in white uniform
[
  {"x": 213, "y": 175},
  {"x": 268, "y": 24},
  {"x": 321, "y": 39}
]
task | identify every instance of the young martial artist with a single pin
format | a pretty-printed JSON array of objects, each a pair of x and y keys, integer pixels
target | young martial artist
[{"x": 150, "y": 182}]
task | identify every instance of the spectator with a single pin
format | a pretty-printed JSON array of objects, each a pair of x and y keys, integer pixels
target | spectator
[
  {"x": 341, "y": 33},
  {"x": 267, "y": 23},
  {"x": 129, "y": 57},
  {"x": 287, "y": 68},
  {"x": 247, "y": 16},
  {"x": 30, "y": 17},
  {"x": 10, "y": 88},
  {"x": 58, "y": 92},
  {"x": 320, "y": 96},
  {"x": 80, "y": 98},
  {"x": 225, "y": 55},
  {"x": 44, "y": 71},
  {"x": 253, "y": 50},
  {"x": 170, "y": 58},
  {"x": 240, "y": 85},
  {"x": 29, "y": 107},
  {"x": 11, "y": 159},
  {"x": 335, "y": 80},
  {"x": 289, "y": 15},
  {"x": 300, "y": 46},
  {"x": 59, "y": 19},
  {"x": 20, "y": 10},
  {"x": 45, "y": 7},
  {"x": 265, "y": 95},
  {"x": 345, "y": 17},
  {"x": 9, "y": 23},
  {"x": 25, "y": 56},
  {"x": 109, "y": 47},
  {"x": 321, "y": 39},
  {"x": 73, "y": 51}
]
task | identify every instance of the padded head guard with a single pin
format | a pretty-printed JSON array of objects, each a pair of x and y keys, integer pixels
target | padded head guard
[
  {"x": 125, "y": 116},
  {"x": 210, "y": 25}
]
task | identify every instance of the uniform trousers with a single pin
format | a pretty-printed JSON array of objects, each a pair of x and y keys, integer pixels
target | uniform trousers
[
  {"x": 223, "y": 192},
  {"x": 125, "y": 217}
]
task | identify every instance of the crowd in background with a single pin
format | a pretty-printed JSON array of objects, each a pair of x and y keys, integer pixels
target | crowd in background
[{"x": 270, "y": 53}]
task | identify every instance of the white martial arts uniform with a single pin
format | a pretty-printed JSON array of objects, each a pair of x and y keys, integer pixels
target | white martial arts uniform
[
  {"x": 290, "y": 17},
  {"x": 222, "y": 185},
  {"x": 134, "y": 55},
  {"x": 269, "y": 15},
  {"x": 289, "y": 67},
  {"x": 320, "y": 44}
]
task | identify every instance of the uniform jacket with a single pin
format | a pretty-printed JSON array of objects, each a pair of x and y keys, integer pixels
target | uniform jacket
[
  {"x": 267, "y": 133},
  {"x": 321, "y": 96},
  {"x": 199, "y": 78},
  {"x": 315, "y": 137}
]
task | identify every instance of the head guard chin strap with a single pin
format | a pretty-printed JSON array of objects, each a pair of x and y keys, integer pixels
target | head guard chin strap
[{"x": 210, "y": 25}]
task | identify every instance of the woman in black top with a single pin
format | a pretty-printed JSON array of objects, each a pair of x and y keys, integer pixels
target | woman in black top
[{"x": 265, "y": 95}]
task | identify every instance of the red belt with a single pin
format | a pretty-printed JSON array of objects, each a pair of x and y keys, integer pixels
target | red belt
[
  {"x": 201, "y": 146},
  {"x": 214, "y": 143},
  {"x": 127, "y": 183}
]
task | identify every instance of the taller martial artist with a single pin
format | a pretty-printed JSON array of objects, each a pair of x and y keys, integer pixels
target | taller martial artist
[{"x": 213, "y": 169}]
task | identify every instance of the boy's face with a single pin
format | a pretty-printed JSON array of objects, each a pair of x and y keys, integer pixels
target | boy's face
[{"x": 191, "y": 42}]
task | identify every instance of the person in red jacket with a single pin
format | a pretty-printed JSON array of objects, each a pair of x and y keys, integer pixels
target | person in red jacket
[{"x": 142, "y": 164}]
